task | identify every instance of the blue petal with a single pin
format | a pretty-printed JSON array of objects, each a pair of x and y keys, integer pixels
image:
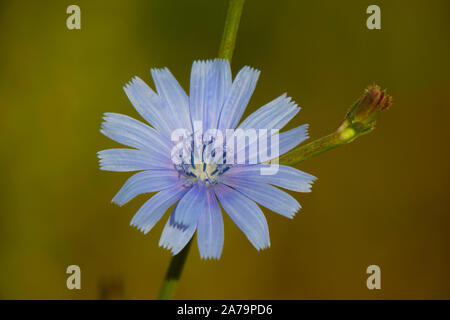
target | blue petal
[
  {"x": 266, "y": 195},
  {"x": 173, "y": 98},
  {"x": 201, "y": 76},
  {"x": 210, "y": 233},
  {"x": 245, "y": 214},
  {"x": 152, "y": 210},
  {"x": 145, "y": 182},
  {"x": 292, "y": 138},
  {"x": 175, "y": 238},
  {"x": 286, "y": 177},
  {"x": 241, "y": 92},
  {"x": 148, "y": 104},
  {"x": 190, "y": 206},
  {"x": 221, "y": 88},
  {"x": 286, "y": 141},
  {"x": 132, "y": 160},
  {"x": 274, "y": 115},
  {"x": 210, "y": 85},
  {"x": 134, "y": 133}
]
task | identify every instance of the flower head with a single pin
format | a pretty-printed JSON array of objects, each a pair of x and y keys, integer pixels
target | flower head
[{"x": 192, "y": 158}]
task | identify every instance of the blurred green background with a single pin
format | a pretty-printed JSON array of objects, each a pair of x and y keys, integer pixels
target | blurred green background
[{"x": 383, "y": 199}]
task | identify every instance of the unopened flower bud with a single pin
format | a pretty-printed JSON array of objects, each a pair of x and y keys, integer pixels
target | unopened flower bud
[{"x": 362, "y": 115}]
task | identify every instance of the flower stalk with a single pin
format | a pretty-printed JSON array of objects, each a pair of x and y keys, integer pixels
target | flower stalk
[
  {"x": 173, "y": 274},
  {"x": 225, "y": 52},
  {"x": 231, "y": 28}
]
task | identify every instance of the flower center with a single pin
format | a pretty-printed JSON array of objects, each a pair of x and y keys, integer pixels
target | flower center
[{"x": 202, "y": 162}]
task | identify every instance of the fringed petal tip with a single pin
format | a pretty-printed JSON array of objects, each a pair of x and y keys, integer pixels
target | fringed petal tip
[
  {"x": 294, "y": 212},
  {"x": 306, "y": 132},
  {"x": 141, "y": 228},
  {"x": 308, "y": 183},
  {"x": 114, "y": 201},
  {"x": 210, "y": 257},
  {"x": 208, "y": 61},
  {"x": 251, "y": 70},
  {"x": 174, "y": 249},
  {"x": 175, "y": 239},
  {"x": 262, "y": 247}
]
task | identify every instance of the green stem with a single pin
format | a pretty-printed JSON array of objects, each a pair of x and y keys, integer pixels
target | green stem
[
  {"x": 346, "y": 133},
  {"x": 173, "y": 274},
  {"x": 231, "y": 29},
  {"x": 225, "y": 52},
  {"x": 311, "y": 149}
]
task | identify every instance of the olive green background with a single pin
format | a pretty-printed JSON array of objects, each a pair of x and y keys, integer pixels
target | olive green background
[{"x": 383, "y": 199}]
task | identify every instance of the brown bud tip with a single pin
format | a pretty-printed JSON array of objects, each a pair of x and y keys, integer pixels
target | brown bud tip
[
  {"x": 379, "y": 99},
  {"x": 373, "y": 101}
]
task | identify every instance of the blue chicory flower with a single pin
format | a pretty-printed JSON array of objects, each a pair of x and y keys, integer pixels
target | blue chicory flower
[{"x": 194, "y": 182}]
